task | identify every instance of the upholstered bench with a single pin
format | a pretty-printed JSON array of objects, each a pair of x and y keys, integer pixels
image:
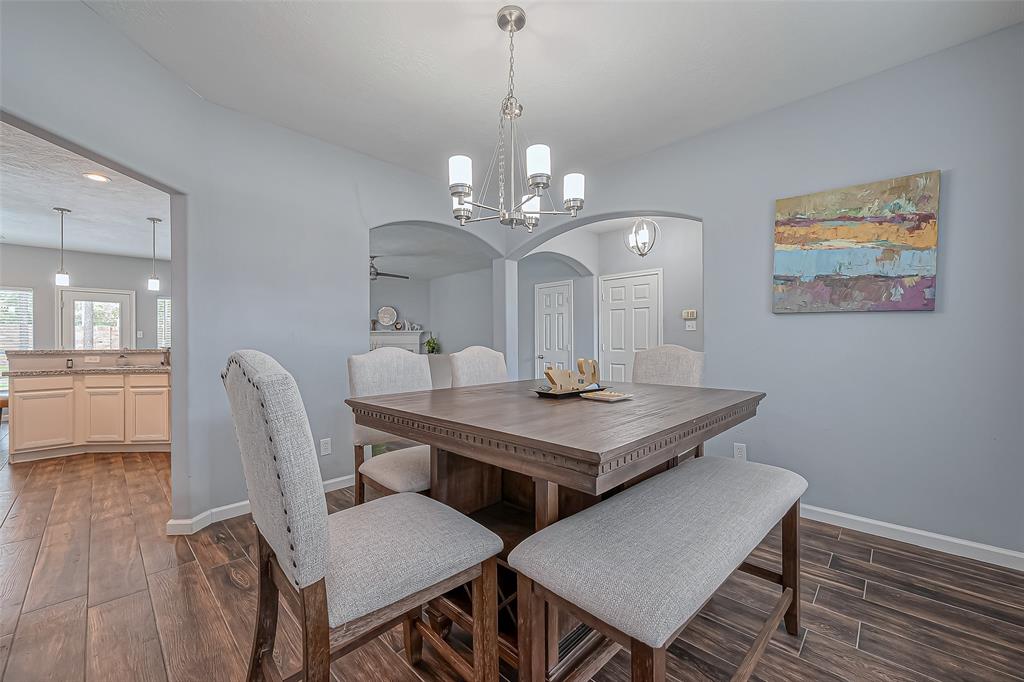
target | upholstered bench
[{"x": 639, "y": 565}]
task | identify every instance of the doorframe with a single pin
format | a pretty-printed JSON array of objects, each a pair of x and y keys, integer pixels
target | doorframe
[
  {"x": 536, "y": 331},
  {"x": 601, "y": 279},
  {"x": 59, "y": 322}
]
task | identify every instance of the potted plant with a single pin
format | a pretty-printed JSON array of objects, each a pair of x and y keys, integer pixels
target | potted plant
[{"x": 432, "y": 345}]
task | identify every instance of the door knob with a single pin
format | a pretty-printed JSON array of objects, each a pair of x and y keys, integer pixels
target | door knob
[{"x": 540, "y": 357}]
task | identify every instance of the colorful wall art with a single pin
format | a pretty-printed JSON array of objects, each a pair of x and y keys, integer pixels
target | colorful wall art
[{"x": 861, "y": 248}]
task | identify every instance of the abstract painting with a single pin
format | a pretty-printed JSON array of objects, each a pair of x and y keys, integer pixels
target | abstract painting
[{"x": 861, "y": 248}]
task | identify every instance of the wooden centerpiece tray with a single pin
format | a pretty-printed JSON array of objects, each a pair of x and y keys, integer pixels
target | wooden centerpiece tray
[{"x": 563, "y": 383}]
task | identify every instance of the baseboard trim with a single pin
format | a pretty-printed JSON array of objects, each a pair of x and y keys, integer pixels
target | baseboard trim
[
  {"x": 228, "y": 511},
  {"x": 990, "y": 554}
]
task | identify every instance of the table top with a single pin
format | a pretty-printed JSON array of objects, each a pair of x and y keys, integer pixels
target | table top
[{"x": 588, "y": 436}]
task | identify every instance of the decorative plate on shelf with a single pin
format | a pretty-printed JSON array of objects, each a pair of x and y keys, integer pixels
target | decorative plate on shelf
[{"x": 387, "y": 315}]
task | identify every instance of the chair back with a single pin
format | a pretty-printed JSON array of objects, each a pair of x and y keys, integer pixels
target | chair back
[
  {"x": 669, "y": 365},
  {"x": 380, "y": 372},
  {"x": 478, "y": 365},
  {"x": 282, "y": 475}
]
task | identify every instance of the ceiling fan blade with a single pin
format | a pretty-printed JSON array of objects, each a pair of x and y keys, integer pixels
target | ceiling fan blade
[{"x": 388, "y": 274}]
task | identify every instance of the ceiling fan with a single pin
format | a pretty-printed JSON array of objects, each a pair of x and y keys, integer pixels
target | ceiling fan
[{"x": 375, "y": 273}]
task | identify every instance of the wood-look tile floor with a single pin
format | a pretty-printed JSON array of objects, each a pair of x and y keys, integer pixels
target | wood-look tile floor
[{"x": 92, "y": 588}]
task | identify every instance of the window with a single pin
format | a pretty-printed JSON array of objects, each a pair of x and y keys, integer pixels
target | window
[
  {"x": 15, "y": 325},
  {"x": 163, "y": 322}
]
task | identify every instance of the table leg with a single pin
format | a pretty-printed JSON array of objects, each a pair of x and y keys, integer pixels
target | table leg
[{"x": 546, "y": 513}]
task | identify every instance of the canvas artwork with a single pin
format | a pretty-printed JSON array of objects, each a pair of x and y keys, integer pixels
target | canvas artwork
[{"x": 861, "y": 248}]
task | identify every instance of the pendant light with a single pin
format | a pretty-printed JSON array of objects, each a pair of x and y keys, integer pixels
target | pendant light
[
  {"x": 641, "y": 237},
  {"x": 62, "y": 279},
  {"x": 154, "y": 281}
]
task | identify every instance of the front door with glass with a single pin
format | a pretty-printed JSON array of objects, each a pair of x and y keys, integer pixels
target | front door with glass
[{"x": 95, "y": 319}]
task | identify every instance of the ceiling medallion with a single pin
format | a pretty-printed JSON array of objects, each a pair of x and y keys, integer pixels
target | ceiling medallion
[{"x": 519, "y": 190}]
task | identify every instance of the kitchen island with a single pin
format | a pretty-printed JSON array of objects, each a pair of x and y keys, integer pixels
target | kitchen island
[{"x": 73, "y": 402}]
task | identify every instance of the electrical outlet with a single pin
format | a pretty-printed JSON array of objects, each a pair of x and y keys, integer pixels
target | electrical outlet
[
  {"x": 92, "y": 358},
  {"x": 691, "y": 325},
  {"x": 325, "y": 447},
  {"x": 138, "y": 334},
  {"x": 739, "y": 451}
]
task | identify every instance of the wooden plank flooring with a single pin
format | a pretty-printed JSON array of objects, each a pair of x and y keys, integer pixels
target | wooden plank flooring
[{"x": 92, "y": 589}]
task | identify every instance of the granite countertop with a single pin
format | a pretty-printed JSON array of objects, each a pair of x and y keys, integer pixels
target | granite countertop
[
  {"x": 88, "y": 370},
  {"x": 128, "y": 351}
]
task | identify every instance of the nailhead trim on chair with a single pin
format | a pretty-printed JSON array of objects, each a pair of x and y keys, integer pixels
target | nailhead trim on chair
[{"x": 270, "y": 438}]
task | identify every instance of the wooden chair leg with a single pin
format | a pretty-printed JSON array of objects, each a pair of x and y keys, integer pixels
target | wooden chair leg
[
  {"x": 266, "y": 614},
  {"x": 647, "y": 663},
  {"x": 412, "y": 640},
  {"x": 530, "y": 607},
  {"x": 360, "y": 491},
  {"x": 791, "y": 565},
  {"x": 316, "y": 645},
  {"x": 485, "y": 623}
]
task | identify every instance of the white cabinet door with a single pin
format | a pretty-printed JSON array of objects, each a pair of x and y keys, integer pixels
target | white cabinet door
[
  {"x": 552, "y": 327},
  {"x": 630, "y": 321},
  {"x": 42, "y": 419},
  {"x": 148, "y": 414},
  {"x": 103, "y": 414}
]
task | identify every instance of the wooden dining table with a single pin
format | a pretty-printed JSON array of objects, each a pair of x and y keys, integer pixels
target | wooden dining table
[{"x": 516, "y": 463}]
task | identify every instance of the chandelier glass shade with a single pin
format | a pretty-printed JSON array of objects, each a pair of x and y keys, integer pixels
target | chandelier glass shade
[
  {"x": 514, "y": 184},
  {"x": 641, "y": 237}
]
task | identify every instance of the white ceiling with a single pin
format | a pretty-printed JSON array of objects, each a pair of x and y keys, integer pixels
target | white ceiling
[
  {"x": 108, "y": 217},
  {"x": 425, "y": 252},
  {"x": 413, "y": 83}
]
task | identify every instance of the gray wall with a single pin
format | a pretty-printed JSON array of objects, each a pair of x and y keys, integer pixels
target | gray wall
[
  {"x": 678, "y": 253},
  {"x": 542, "y": 268},
  {"x": 268, "y": 228},
  {"x": 411, "y": 297},
  {"x": 461, "y": 310},
  {"x": 914, "y": 418},
  {"x": 34, "y": 267}
]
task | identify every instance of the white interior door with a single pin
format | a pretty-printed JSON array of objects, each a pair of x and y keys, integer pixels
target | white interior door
[
  {"x": 630, "y": 320},
  {"x": 96, "y": 319},
  {"x": 552, "y": 326}
]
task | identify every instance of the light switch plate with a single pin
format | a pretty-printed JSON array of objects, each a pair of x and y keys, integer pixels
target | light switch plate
[
  {"x": 138, "y": 334},
  {"x": 691, "y": 325}
]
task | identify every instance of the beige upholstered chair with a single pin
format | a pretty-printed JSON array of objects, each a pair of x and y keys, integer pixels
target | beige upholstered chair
[
  {"x": 669, "y": 365},
  {"x": 639, "y": 565},
  {"x": 478, "y": 365},
  {"x": 380, "y": 372},
  {"x": 355, "y": 574}
]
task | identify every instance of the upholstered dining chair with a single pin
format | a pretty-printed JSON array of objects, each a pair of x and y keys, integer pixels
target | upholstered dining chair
[
  {"x": 668, "y": 365},
  {"x": 354, "y": 574},
  {"x": 379, "y": 372},
  {"x": 478, "y": 365}
]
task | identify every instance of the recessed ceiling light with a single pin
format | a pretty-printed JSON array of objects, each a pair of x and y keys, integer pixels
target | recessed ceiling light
[{"x": 97, "y": 177}]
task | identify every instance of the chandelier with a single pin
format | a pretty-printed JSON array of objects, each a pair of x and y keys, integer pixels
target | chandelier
[{"x": 520, "y": 187}]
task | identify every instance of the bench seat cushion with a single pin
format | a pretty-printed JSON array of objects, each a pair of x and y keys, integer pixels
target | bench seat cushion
[
  {"x": 645, "y": 560},
  {"x": 402, "y": 471},
  {"x": 389, "y": 548}
]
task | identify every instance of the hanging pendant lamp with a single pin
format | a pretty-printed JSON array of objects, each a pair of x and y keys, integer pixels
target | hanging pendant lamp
[
  {"x": 154, "y": 281},
  {"x": 62, "y": 278}
]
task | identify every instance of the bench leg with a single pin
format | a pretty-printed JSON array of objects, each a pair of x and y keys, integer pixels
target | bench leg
[
  {"x": 791, "y": 565},
  {"x": 412, "y": 639},
  {"x": 359, "y": 492},
  {"x": 530, "y": 608},
  {"x": 647, "y": 663},
  {"x": 485, "y": 623}
]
